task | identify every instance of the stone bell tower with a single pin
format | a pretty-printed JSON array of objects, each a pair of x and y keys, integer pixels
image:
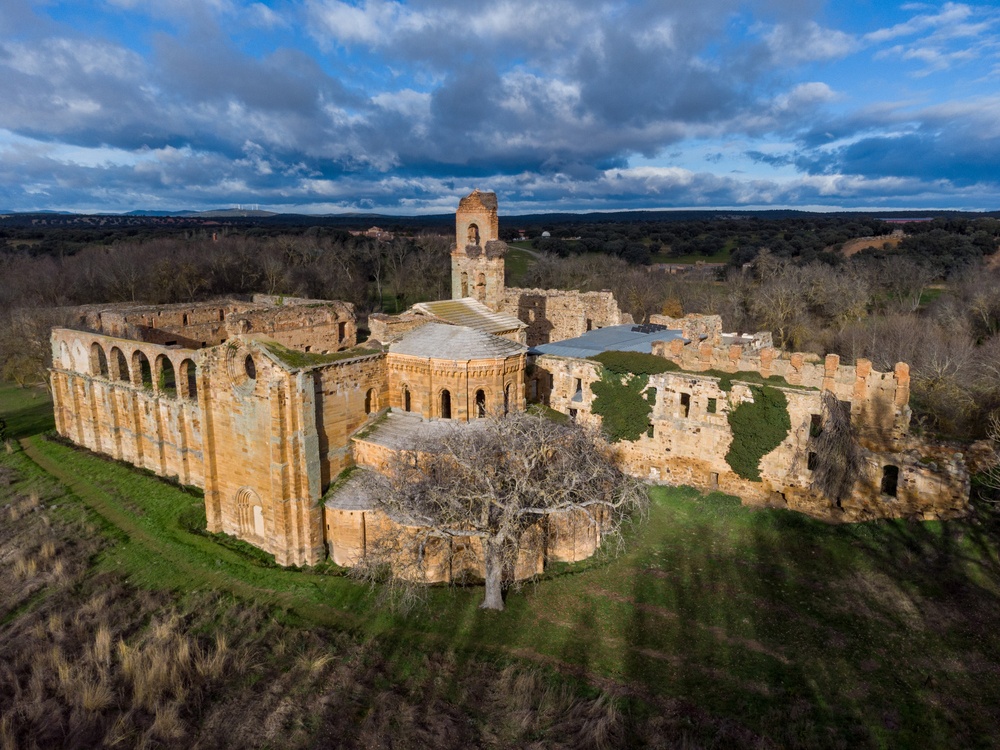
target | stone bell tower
[{"x": 477, "y": 264}]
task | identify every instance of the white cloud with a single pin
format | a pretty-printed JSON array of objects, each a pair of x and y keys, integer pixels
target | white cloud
[{"x": 798, "y": 43}]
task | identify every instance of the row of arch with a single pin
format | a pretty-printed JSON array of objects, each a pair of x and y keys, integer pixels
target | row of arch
[
  {"x": 160, "y": 377},
  {"x": 444, "y": 402}
]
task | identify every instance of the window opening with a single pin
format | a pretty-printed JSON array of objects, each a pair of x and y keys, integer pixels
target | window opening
[
  {"x": 890, "y": 480},
  {"x": 685, "y": 404},
  {"x": 480, "y": 404},
  {"x": 445, "y": 405}
]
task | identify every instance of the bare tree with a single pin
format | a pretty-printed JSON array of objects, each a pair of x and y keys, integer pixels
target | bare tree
[
  {"x": 497, "y": 480},
  {"x": 839, "y": 461}
]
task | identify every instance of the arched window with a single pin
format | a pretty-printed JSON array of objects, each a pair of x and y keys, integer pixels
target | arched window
[
  {"x": 473, "y": 234},
  {"x": 465, "y": 284},
  {"x": 371, "y": 401},
  {"x": 142, "y": 373},
  {"x": 166, "y": 379},
  {"x": 406, "y": 398},
  {"x": 445, "y": 405},
  {"x": 249, "y": 512},
  {"x": 480, "y": 404},
  {"x": 506, "y": 399},
  {"x": 120, "y": 366},
  {"x": 189, "y": 379},
  {"x": 98, "y": 361}
]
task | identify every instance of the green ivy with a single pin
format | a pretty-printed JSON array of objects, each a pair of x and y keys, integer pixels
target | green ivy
[
  {"x": 622, "y": 403},
  {"x": 744, "y": 376},
  {"x": 758, "y": 428}
]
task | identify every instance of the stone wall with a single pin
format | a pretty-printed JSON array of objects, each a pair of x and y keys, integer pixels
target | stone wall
[
  {"x": 690, "y": 437},
  {"x": 103, "y": 402},
  {"x": 556, "y": 314},
  {"x": 694, "y": 327},
  {"x": 307, "y": 327}
]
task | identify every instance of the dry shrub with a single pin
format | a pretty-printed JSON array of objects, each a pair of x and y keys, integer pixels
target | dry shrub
[
  {"x": 93, "y": 696},
  {"x": 48, "y": 550}
]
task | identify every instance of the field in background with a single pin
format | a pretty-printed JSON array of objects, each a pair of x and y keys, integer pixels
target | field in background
[{"x": 719, "y": 626}]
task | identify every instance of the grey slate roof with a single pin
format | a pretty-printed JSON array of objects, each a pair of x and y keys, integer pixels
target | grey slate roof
[
  {"x": 471, "y": 313},
  {"x": 405, "y": 430},
  {"x": 623, "y": 338},
  {"x": 458, "y": 343}
]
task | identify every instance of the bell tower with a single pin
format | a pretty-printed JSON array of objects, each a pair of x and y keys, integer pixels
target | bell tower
[{"x": 477, "y": 259}]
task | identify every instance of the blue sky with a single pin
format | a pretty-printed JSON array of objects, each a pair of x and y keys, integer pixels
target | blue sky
[{"x": 557, "y": 105}]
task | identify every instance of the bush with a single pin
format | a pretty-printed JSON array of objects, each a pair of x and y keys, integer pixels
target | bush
[{"x": 635, "y": 363}]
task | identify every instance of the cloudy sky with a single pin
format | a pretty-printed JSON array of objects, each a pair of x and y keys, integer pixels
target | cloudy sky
[{"x": 400, "y": 107}]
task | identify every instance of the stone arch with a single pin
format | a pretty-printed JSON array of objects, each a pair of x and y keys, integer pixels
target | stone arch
[
  {"x": 189, "y": 379},
  {"x": 166, "y": 378},
  {"x": 371, "y": 401},
  {"x": 142, "y": 371},
  {"x": 242, "y": 368},
  {"x": 480, "y": 403},
  {"x": 99, "y": 362},
  {"x": 250, "y": 513},
  {"x": 473, "y": 234},
  {"x": 119, "y": 366},
  {"x": 445, "y": 404}
]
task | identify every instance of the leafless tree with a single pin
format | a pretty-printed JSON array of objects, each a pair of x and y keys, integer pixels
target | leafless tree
[
  {"x": 839, "y": 462},
  {"x": 497, "y": 480}
]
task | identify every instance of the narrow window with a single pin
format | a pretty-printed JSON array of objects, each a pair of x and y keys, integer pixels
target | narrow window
[
  {"x": 890, "y": 480},
  {"x": 406, "y": 398},
  {"x": 590, "y": 324},
  {"x": 371, "y": 401},
  {"x": 222, "y": 315},
  {"x": 713, "y": 405},
  {"x": 651, "y": 430},
  {"x": 185, "y": 319},
  {"x": 572, "y": 415},
  {"x": 577, "y": 389},
  {"x": 465, "y": 284},
  {"x": 250, "y": 368},
  {"x": 815, "y": 425},
  {"x": 445, "y": 405},
  {"x": 506, "y": 399},
  {"x": 342, "y": 330},
  {"x": 713, "y": 479},
  {"x": 480, "y": 404},
  {"x": 811, "y": 462},
  {"x": 685, "y": 404}
]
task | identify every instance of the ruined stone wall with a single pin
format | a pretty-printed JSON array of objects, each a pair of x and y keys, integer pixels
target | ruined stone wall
[
  {"x": 262, "y": 457},
  {"x": 879, "y": 400},
  {"x": 425, "y": 379},
  {"x": 312, "y": 327},
  {"x": 349, "y": 394},
  {"x": 556, "y": 314},
  {"x": 707, "y": 328},
  {"x": 691, "y": 436},
  {"x": 389, "y": 328},
  {"x": 102, "y": 401}
]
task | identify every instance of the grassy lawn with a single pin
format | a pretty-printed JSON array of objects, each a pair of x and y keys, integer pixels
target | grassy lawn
[
  {"x": 517, "y": 262},
  {"x": 777, "y": 628},
  {"x": 27, "y": 411}
]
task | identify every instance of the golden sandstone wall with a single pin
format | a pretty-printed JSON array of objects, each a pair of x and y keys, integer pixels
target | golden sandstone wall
[
  {"x": 691, "y": 433},
  {"x": 556, "y": 314},
  {"x": 103, "y": 401}
]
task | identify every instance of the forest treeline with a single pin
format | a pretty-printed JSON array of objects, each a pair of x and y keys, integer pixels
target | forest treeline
[{"x": 931, "y": 299}]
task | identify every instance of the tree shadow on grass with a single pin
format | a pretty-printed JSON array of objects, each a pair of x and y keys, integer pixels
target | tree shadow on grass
[{"x": 878, "y": 634}]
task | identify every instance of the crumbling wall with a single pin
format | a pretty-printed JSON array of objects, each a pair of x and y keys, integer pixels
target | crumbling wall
[
  {"x": 690, "y": 437},
  {"x": 312, "y": 327},
  {"x": 694, "y": 327},
  {"x": 557, "y": 314},
  {"x": 102, "y": 402}
]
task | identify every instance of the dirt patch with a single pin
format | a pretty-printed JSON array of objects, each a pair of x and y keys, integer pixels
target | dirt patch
[{"x": 853, "y": 247}]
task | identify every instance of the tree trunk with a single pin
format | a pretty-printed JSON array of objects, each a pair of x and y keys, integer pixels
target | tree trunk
[{"x": 493, "y": 565}]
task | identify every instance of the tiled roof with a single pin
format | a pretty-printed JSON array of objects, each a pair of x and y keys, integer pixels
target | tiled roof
[
  {"x": 470, "y": 312},
  {"x": 624, "y": 338},
  {"x": 442, "y": 341}
]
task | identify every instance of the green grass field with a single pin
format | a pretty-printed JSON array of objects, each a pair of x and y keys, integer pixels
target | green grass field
[{"x": 739, "y": 626}]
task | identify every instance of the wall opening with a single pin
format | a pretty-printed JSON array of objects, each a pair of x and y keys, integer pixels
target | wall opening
[
  {"x": 890, "y": 480},
  {"x": 685, "y": 404},
  {"x": 250, "y": 368},
  {"x": 481, "y": 287},
  {"x": 142, "y": 370},
  {"x": 445, "y": 405},
  {"x": 371, "y": 401},
  {"x": 473, "y": 234},
  {"x": 713, "y": 479},
  {"x": 406, "y": 399},
  {"x": 815, "y": 425},
  {"x": 185, "y": 319},
  {"x": 590, "y": 324},
  {"x": 189, "y": 379},
  {"x": 506, "y": 399},
  {"x": 98, "y": 361},
  {"x": 341, "y": 331},
  {"x": 166, "y": 379},
  {"x": 713, "y": 405},
  {"x": 465, "y": 284},
  {"x": 812, "y": 461},
  {"x": 120, "y": 364},
  {"x": 480, "y": 404}
]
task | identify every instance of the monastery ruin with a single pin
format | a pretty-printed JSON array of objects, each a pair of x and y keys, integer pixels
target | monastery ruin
[{"x": 264, "y": 403}]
